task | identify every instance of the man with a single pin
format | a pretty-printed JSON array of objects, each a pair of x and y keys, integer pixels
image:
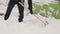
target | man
[
  {"x": 10, "y": 7},
  {"x": 21, "y": 9}
]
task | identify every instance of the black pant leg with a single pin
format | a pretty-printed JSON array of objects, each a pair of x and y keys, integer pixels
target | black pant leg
[
  {"x": 30, "y": 6},
  {"x": 9, "y": 9},
  {"x": 21, "y": 12}
]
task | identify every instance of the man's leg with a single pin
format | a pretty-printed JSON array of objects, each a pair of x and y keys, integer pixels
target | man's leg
[
  {"x": 9, "y": 9},
  {"x": 21, "y": 12},
  {"x": 30, "y": 6}
]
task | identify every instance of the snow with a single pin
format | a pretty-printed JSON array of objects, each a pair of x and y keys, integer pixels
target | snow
[{"x": 30, "y": 25}]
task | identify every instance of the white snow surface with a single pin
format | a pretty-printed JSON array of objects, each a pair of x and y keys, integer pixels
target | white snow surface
[{"x": 30, "y": 24}]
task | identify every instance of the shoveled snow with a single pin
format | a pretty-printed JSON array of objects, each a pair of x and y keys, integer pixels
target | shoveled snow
[{"x": 30, "y": 24}]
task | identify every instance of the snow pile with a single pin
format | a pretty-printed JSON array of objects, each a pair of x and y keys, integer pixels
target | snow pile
[{"x": 42, "y": 2}]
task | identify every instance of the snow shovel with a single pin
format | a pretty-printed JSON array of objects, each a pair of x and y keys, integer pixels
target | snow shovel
[{"x": 44, "y": 22}]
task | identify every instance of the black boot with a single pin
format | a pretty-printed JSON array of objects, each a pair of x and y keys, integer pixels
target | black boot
[
  {"x": 6, "y": 17},
  {"x": 31, "y": 12},
  {"x": 20, "y": 20}
]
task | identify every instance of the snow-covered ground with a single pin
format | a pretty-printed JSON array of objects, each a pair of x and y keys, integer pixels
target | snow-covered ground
[{"x": 30, "y": 25}]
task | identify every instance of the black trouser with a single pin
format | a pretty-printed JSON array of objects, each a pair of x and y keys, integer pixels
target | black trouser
[
  {"x": 30, "y": 6},
  {"x": 10, "y": 7}
]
